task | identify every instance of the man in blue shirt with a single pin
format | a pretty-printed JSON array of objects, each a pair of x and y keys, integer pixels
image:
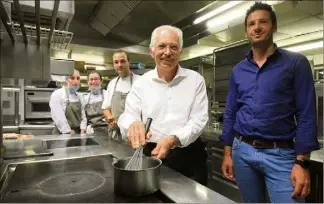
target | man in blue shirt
[{"x": 270, "y": 119}]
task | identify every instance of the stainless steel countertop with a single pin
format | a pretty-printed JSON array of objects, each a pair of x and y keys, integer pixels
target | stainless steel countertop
[
  {"x": 38, "y": 127},
  {"x": 211, "y": 133},
  {"x": 177, "y": 187},
  {"x": 39, "y": 89},
  {"x": 25, "y": 126},
  {"x": 10, "y": 127}
]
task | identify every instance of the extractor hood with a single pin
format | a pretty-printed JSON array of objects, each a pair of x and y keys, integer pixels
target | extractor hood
[
  {"x": 65, "y": 13},
  {"x": 37, "y": 21}
]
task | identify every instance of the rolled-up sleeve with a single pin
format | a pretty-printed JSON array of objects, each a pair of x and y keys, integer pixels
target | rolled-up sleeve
[
  {"x": 58, "y": 113},
  {"x": 228, "y": 131},
  {"x": 198, "y": 117},
  {"x": 306, "y": 132},
  {"x": 133, "y": 110}
]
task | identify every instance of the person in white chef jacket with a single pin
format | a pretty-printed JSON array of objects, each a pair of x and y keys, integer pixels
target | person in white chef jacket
[
  {"x": 67, "y": 108},
  {"x": 117, "y": 91},
  {"x": 97, "y": 123},
  {"x": 176, "y": 99}
]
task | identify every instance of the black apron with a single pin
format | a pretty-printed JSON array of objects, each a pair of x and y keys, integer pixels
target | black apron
[{"x": 191, "y": 161}]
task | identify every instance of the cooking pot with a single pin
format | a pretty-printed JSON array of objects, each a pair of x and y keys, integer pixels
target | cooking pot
[{"x": 137, "y": 182}]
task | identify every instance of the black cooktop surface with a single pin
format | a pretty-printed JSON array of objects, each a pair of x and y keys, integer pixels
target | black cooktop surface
[{"x": 73, "y": 180}]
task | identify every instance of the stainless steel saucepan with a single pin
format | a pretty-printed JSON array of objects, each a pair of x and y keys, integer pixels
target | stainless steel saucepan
[{"x": 137, "y": 182}]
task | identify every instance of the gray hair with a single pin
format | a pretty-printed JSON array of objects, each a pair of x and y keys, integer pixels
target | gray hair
[{"x": 167, "y": 27}]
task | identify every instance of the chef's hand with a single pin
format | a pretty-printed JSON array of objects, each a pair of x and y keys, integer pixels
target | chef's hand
[
  {"x": 136, "y": 134},
  {"x": 301, "y": 182},
  {"x": 112, "y": 124},
  {"x": 163, "y": 147},
  {"x": 82, "y": 132},
  {"x": 227, "y": 165}
]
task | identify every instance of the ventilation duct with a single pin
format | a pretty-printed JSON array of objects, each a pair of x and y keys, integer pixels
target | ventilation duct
[{"x": 108, "y": 14}]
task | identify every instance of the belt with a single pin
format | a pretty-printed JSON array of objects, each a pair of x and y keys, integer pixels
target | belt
[{"x": 266, "y": 144}]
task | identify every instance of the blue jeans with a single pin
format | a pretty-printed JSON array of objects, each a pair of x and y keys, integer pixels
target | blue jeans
[{"x": 262, "y": 171}]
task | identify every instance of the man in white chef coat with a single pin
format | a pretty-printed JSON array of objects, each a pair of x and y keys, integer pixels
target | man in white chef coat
[
  {"x": 117, "y": 90},
  {"x": 176, "y": 99}
]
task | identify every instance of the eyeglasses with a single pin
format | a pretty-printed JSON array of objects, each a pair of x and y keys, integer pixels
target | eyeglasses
[{"x": 73, "y": 78}]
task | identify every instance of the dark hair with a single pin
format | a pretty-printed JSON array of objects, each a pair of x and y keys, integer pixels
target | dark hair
[
  {"x": 95, "y": 72},
  {"x": 120, "y": 51},
  {"x": 264, "y": 7}
]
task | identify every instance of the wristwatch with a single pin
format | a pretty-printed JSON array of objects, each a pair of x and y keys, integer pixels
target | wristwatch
[{"x": 303, "y": 163}]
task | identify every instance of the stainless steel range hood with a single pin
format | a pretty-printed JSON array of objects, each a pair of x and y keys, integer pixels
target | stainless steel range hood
[{"x": 32, "y": 28}]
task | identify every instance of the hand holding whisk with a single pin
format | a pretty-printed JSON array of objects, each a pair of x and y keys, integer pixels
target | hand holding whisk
[{"x": 136, "y": 161}]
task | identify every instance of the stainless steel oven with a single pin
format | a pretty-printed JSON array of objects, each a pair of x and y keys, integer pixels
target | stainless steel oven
[{"x": 37, "y": 103}]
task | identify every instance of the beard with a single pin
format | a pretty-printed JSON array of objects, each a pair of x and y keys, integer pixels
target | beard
[
  {"x": 123, "y": 73},
  {"x": 261, "y": 43}
]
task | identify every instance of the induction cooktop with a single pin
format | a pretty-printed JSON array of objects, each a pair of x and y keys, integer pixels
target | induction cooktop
[{"x": 78, "y": 180}]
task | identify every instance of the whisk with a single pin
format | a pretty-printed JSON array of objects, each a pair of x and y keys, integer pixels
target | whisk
[{"x": 136, "y": 161}]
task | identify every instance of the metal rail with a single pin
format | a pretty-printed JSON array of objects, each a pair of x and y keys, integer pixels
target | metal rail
[
  {"x": 54, "y": 16},
  {"x": 37, "y": 14},
  {"x": 21, "y": 20},
  {"x": 5, "y": 20}
]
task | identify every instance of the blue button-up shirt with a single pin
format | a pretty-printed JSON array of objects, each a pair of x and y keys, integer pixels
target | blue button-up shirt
[{"x": 264, "y": 102}]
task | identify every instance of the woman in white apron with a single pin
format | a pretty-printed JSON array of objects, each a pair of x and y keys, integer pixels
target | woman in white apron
[
  {"x": 97, "y": 123},
  {"x": 67, "y": 108}
]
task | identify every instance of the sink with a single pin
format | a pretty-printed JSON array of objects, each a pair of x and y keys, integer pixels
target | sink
[
  {"x": 20, "y": 149},
  {"x": 73, "y": 142}
]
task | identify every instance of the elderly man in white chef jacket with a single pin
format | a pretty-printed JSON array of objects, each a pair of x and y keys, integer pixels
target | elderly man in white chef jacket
[
  {"x": 117, "y": 91},
  {"x": 176, "y": 99}
]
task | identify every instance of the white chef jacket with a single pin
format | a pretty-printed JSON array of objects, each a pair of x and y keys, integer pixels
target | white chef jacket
[
  {"x": 94, "y": 98},
  {"x": 179, "y": 108},
  {"x": 123, "y": 85},
  {"x": 58, "y": 104}
]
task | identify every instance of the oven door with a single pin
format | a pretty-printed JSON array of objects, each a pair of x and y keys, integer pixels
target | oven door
[{"x": 37, "y": 106}]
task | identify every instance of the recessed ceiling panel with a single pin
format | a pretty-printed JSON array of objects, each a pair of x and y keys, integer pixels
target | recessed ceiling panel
[
  {"x": 307, "y": 25},
  {"x": 233, "y": 34},
  {"x": 311, "y": 7},
  {"x": 291, "y": 16}
]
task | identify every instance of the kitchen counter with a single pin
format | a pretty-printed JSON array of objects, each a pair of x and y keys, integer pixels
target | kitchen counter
[
  {"x": 38, "y": 127},
  {"x": 175, "y": 186},
  {"x": 11, "y": 129},
  {"x": 211, "y": 133}
]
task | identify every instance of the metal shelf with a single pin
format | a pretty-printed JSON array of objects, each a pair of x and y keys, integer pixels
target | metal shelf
[{"x": 11, "y": 89}]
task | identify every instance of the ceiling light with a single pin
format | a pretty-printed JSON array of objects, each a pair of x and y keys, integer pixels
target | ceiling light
[
  {"x": 101, "y": 68},
  {"x": 216, "y": 11},
  {"x": 237, "y": 13},
  {"x": 304, "y": 47}
]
